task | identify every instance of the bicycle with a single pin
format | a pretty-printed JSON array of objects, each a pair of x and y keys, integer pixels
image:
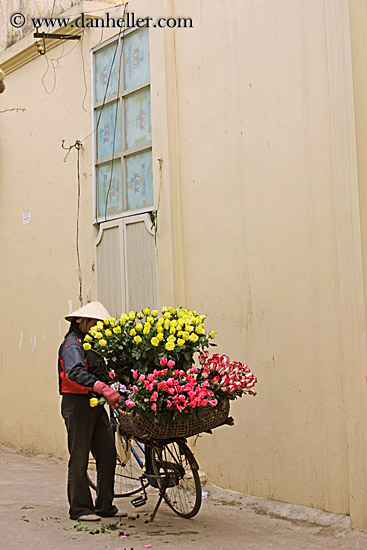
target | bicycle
[{"x": 168, "y": 466}]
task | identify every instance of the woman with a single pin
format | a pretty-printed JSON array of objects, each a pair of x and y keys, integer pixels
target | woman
[{"x": 80, "y": 376}]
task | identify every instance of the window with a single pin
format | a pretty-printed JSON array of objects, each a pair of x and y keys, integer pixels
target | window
[
  {"x": 123, "y": 181},
  {"x": 123, "y": 139}
]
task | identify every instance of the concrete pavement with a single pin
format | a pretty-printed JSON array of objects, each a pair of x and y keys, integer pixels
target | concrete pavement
[{"x": 34, "y": 516}]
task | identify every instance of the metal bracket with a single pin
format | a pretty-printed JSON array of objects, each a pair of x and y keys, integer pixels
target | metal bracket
[{"x": 45, "y": 35}]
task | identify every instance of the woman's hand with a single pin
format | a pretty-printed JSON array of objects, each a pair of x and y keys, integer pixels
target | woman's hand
[{"x": 113, "y": 397}]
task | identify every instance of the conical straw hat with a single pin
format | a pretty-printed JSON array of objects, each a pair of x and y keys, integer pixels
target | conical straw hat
[{"x": 93, "y": 310}]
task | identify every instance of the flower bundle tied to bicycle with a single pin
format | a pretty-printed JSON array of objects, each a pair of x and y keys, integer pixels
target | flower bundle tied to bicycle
[{"x": 154, "y": 359}]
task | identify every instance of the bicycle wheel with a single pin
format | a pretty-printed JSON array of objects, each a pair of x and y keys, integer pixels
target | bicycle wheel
[
  {"x": 183, "y": 495},
  {"x": 130, "y": 458}
]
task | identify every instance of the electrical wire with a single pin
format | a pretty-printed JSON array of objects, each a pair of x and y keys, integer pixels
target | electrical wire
[
  {"x": 53, "y": 7},
  {"x": 84, "y": 75},
  {"x": 105, "y": 94},
  {"x": 78, "y": 146},
  {"x": 45, "y": 73},
  {"x": 78, "y": 143},
  {"x": 116, "y": 111}
]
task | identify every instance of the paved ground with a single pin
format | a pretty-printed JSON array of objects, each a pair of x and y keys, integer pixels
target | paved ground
[{"x": 33, "y": 516}]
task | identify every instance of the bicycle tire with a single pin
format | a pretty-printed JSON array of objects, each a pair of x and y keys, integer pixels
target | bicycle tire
[
  {"x": 128, "y": 471},
  {"x": 184, "y": 495}
]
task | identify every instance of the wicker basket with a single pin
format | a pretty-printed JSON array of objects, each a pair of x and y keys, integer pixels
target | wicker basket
[{"x": 183, "y": 426}]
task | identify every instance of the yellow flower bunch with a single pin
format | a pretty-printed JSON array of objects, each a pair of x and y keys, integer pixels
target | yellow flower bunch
[{"x": 139, "y": 339}]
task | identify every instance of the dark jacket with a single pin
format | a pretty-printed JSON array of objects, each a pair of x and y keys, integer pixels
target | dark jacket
[{"x": 78, "y": 369}]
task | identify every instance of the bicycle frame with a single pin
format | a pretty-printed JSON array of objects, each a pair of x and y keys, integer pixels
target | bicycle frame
[
  {"x": 114, "y": 422},
  {"x": 167, "y": 465}
]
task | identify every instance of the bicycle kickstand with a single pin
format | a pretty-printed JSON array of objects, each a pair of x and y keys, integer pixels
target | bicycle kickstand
[{"x": 162, "y": 490}]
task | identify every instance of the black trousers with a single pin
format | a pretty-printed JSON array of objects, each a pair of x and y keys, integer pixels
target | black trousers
[{"x": 89, "y": 430}]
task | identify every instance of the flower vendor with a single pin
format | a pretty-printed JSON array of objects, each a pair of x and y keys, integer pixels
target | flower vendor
[{"x": 80, "y": 377}]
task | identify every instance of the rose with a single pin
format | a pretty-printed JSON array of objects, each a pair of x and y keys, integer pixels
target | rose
[{"x": 179, "y": 333}]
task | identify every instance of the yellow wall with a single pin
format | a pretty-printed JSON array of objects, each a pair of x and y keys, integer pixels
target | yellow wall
[
  {"x": 39, "y": 264},
  {"x": 255, "y": 175}
]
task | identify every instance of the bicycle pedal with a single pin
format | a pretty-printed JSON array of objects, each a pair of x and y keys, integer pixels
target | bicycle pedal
[{"x": 139, "y": 501}]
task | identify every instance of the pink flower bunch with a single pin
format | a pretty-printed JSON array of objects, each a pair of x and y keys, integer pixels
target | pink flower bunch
[
  {"x": 231, "y": 377},
  {"x": 169, "y": 390}
]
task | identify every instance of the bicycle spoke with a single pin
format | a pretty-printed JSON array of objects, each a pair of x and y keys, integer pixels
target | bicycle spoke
[
  {"x": 127, "y": 472},
  {"x": 183, "y": 494}
]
